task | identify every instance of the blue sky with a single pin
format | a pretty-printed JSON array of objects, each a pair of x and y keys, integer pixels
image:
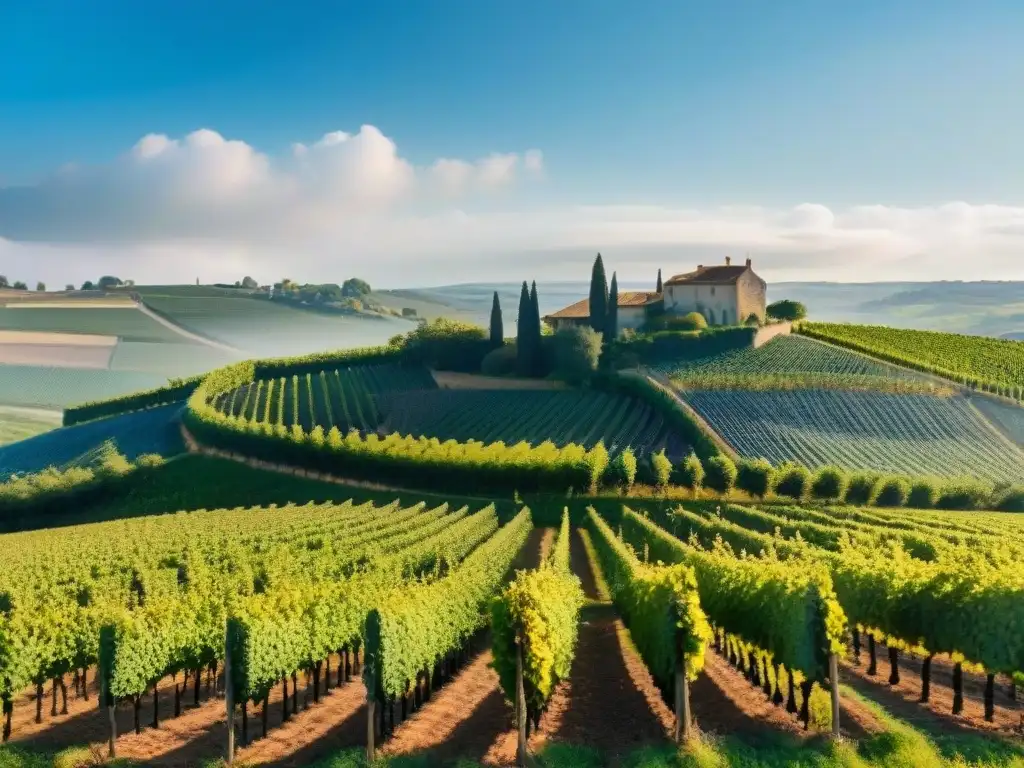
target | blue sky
[{"x": 702, "y": 106}]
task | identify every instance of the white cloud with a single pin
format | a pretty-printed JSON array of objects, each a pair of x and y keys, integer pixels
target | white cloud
[{"x": 203, "y": 205}]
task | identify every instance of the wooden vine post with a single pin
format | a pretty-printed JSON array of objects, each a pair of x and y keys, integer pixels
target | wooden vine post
[
  {"x": 520, "y": 707},
  {"x": 371, "y": 706},
  {"x": 108, "y": 699},
  {"x": 833, "y": 674},
  {"x": 229, "y": 696},
  {"x": 682, "y": 703}
]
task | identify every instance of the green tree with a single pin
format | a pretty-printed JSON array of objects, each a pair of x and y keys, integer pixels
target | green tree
[
  {"x": 3, "y": 282},
  {"x": 88, "y": 286},
  {"x": 720, "y": 474},
  {"x": 662, "y": 469},
  {"x": 41, "y": 286},
  {"x": 611, "y": 325},
  {"x": 691, "y": 473},
  {"x": 787, "y": 309},
  {"x": 524, "y": 339},
  {"x": 248, "y": 282},
  {"x": 354, "y": 287},
  {"x": 109, "y": 281},
  {"x": 577, "y": 350},
  {"x": 20, "y": 286},
  {"x": 537, "y": 355},
  {"x": 659, "y": 288},
  {"x": 754, "y": 476},
  {"x": 598, "y": 295},
  {"x": 497, "y": 326}
]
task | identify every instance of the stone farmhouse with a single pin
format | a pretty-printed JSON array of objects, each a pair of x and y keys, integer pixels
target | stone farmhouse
[{"x": 724, "y": 294}]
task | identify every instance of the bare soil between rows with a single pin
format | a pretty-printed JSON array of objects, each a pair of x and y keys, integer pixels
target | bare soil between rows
[{"x": 904, "y": 697}]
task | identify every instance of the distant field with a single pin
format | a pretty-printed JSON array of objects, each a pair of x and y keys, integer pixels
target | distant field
[
  {"x": 914, "y": 434},
  {"x": 48, "y": 387},
  {"x": 128, "y": 323},
  {"x": 22, "y": 423},
  {"x": 345, "y": 398},
  {"x": 262, "y": 327},
  {"x": 152, "y": 431},
  {"x": 784, "y": 354},
  {"x": 176, "y": 360},
  {"x": 533, "y": 416},
  {"x": 960, "y": 358}
]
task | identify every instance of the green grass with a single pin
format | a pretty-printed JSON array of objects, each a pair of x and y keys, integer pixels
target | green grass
[
  {"x": 168, "y": 359},
  {"x": 128, "y": 323},
  {"x": 265, "y": 328},
  {"x": 20, "y": 424},
  {"x": 893, "y": 433},
  {"x": 42, "y": 387}
]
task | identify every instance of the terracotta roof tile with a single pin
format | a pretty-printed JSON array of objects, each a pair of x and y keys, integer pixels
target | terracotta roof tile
[
  {"x": 709, "y": 275},
  {"x": 581, "y": 308}
]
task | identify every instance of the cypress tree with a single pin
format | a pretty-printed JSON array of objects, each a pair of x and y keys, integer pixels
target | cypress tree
[
  {"x": 598, "y": 295},
  {"x": 659, "y": 288},
  {"x": 524, "y": 352},
  {"x": 497, "y": 326},
  {"x": 611, "y": 323},
  {"x": 537, "y": 367}
]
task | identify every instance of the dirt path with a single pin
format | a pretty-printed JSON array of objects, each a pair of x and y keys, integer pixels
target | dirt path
[
  {"x": 610, "y": 701},
  {"x": 938, "y": 712},
  {"x": 463, "y": 718}
]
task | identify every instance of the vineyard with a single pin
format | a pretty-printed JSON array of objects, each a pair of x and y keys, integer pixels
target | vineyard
[
  {"x": 894, "y": 433},
  {"x": 996, "y": 365},
  {"x": 345, "y": 398},
  {"x": 533, "y": 416},
  {"x": 382, "y": 608},
  {"x": 148, "y": 598},
  {"x": 783, "y": 355}
]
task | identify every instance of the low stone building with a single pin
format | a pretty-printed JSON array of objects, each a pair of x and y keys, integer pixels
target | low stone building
[
  {"x": 634, "y": 309},
  {"x": 725, "y": 294}
]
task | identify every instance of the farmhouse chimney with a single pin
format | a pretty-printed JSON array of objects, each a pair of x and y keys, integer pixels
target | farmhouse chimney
[
  {"x": 728, "y": 260},
  {"x": 700, "y": 266},
  {"x": 748, "y": 263}
]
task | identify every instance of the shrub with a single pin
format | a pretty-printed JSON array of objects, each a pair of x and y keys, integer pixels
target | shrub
[
  {"x": 862, "y": 489},
  {"x": 500, "y": 361},
  {"x": 787, "y": 309},
  {"x": 1010, "y": 499},
  {"x": 662, "y": 469},
  {"x": 691, "y": 473},
  {"x": 829, "y": 484},
  {"x": 963, "y": 494},
  {"x": 575, "y": 353},
  {"x": 692, "y": 321},
  {"x": 645, "y": 471},
  {"x": 720, "y": 474},
  {"x": 448, "y": 345},
  {"x": 793, "y": 480},
  {"x": 622, "y": 470},
  {"x": 923, "y": 494},
  {"x": 893, "y": 492},
  {"x": 754, "y": 477}
]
